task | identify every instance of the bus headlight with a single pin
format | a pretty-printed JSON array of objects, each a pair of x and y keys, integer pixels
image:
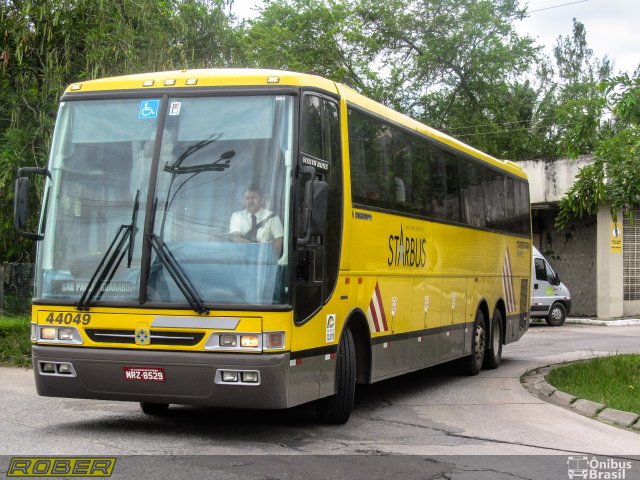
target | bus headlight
[
  {"x": 48, "y": 333},
  {"x": 228, "y": 340},
  {"x": 237, "y": 377},
  {"x": 66, "y": 335},
  {"x": 249, "y": 341},
  {"x": 241, "y": 342},
  {"x": 274, "y": 340},
  {"x": 229, "y": 376}
]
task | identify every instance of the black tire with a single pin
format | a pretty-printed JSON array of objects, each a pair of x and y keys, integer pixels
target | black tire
[
  {"x": 557, "y": 315},
  {"x": 472, "y": 364},
  {"x": 154, "y": 408},
  {"x": 493, "y": 354},
  {"x": 336, "y": 409}
]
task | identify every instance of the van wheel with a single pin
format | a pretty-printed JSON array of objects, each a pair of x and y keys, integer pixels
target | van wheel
[
  {"x": 557, "y": 315},
  {"x": 336, "y": 409},
  {"x": 154, "y": 408},
  {"x": 493, "y": 355},
  {"x": 472, "y": 364}
]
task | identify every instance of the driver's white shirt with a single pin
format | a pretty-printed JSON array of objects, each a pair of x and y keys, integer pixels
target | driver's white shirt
[{"x": 268, "y": 232}]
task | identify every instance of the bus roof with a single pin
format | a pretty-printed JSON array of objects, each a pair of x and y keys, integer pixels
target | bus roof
[
  {"x": 221, "y": 77},
  {"x": 229, "y": 77}
]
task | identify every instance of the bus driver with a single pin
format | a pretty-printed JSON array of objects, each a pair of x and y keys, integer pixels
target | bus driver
[{"x": 256, "y": 224}]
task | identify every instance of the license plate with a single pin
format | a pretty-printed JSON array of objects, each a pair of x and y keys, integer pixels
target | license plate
[{"x": 144, "y": 374}]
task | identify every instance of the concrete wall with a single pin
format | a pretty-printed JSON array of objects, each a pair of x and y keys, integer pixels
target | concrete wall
[
  {"x": 610, "y": 288},
  {"x": 572, "y": 254},
  {"x": 549, "y": 179}
]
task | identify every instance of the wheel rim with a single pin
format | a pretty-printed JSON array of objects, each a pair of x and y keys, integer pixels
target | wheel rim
[
  {"x": 556, "y": 314},
  {"x": 479, "y": 343}
]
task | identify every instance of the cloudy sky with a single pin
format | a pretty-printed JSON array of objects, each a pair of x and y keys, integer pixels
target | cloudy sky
[{"x": 613, "y": 26}]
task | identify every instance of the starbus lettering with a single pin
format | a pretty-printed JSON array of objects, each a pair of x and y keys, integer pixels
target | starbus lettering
[{"x": 407, "y": 251}]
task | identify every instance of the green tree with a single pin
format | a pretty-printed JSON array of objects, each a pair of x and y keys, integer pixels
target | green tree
[
  {"x": 576, "y": 118},
  {"x": 614, "y": 177},
  {"x": 47, "y": 44},
  {"x": 312, "y": 36},
  {"x": 455, "y": 64},
  {"x": 459, "y": 64}
]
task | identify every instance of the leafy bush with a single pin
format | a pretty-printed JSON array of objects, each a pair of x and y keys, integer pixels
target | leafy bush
[{"x": 15, "y": 341}]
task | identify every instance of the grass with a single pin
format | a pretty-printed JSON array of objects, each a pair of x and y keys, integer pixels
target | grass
[
  {"x": 15, "y": 341},
  {"x": 613, "y": 381}
]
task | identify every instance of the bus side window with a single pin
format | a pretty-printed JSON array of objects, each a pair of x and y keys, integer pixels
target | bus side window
[
  {"x": 437, "y": 189},
  {"x": 472, "y": 194},
  {"x": 494, "y": 196}
]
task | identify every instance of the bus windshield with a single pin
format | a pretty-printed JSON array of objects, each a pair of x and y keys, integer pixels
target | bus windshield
[{"x": 188, "y": 175}]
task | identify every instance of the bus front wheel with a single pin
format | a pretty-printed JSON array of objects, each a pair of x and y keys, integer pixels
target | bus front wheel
[
  {"x": 336, "y": 409},
  {"x": 154, "y": 408}
]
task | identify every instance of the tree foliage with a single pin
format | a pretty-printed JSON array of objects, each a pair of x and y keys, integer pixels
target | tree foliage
[
  {"x": 614, "y": 177},
  {"x": 458, "y": 65},
  {"x": 47, "y": 44}
]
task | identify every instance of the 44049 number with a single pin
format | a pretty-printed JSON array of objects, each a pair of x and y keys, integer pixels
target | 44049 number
[{"x": 69, "y": 318}]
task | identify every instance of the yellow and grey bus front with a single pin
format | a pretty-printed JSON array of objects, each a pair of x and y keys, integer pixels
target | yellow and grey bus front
[{"x": 141, "y": 293}]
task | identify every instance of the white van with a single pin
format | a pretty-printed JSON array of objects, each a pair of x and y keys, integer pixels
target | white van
[{"x": 550, "y": 298}]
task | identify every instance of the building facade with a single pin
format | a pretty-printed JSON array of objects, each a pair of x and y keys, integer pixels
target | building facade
[{"x": 598, "y": 260}]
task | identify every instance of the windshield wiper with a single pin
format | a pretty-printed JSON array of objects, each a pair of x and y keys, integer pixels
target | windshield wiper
[
  {"x": 176, "y": 167},
  {"x": 218, "y": 166},
  {"x": 178, "y": 275},
  {"x": 111, "y": 259}
]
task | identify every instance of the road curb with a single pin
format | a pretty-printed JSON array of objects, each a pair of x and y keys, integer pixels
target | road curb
[
  {"x": 535, "y": 382},
  {"x": 620, "y": 322}
]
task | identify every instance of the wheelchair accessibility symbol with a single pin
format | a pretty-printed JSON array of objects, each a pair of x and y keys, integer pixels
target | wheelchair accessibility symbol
[{"x": 148, "y": 108}]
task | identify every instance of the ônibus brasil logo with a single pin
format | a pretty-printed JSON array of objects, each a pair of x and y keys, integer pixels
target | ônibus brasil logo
[{"x": 596, "y": 469}]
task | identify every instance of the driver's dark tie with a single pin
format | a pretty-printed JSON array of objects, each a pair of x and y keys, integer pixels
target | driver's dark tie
[{"x": 253, "y": 232}]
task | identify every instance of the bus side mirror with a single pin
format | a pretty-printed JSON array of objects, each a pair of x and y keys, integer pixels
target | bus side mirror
[
  {"x": 21, "y": 202},
  {"x": 314, "y": 210}
]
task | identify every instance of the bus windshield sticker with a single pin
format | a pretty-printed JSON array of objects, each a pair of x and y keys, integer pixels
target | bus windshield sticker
[
  {"x": 315, "y": 163},
  {"x": 174, "y": 109},
  {"x": 362, "y": 216},
  {"x": 149, "y": 109}
]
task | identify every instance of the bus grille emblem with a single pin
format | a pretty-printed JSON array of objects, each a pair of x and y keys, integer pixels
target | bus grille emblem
[{"x": 143, "y": 336}]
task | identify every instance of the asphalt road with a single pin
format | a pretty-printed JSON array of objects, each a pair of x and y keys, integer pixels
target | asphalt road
[{"x": 428, "y": 424}]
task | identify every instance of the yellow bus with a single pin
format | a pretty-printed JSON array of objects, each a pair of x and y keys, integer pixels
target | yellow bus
[{"x": 262, "y": 239}]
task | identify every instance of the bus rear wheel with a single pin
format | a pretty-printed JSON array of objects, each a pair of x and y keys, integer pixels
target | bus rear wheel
[
  {"x": 473, "y": 363},
  {"x": 336, "y": 409},
  {"x": 493, "y": 355}
]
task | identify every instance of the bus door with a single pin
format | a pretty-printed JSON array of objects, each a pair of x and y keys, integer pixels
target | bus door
[{"x": 317, "y": 254}]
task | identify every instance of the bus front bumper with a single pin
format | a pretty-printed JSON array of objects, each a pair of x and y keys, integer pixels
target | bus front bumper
[{"x": 163, "y": 376}]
